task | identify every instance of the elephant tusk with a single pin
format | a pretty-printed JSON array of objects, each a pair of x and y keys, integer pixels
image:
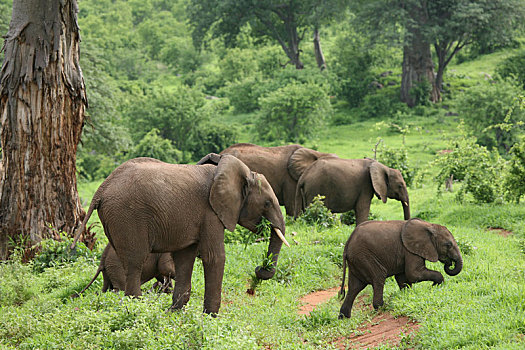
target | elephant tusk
[
  {"x": 406, "y": 204},
  {"x": 281, "y": 236}
]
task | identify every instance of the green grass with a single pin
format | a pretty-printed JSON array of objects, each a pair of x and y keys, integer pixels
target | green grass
[{"x": 483, "y": 307}]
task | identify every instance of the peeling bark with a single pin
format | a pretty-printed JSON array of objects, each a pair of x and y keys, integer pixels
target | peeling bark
[{"x": 42, "y": 103}]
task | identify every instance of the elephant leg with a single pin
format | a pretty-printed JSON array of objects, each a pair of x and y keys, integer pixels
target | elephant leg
[
  {"x": 378, "y": 285},
  {"x": 213, "y": 263},
  {"x": 416, "y": 271},
  {"x": 106, "y": 284},
  {"x": 402, "y": 281},
  {"x": 355, "y": 286},
  {"x": 184, "y": 260},
  {"x": 362, "y": 210},
  {"x": 135, "y": 262}
]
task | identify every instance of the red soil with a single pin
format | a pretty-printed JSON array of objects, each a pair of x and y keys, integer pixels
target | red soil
[{"x": 382, "y": 329}]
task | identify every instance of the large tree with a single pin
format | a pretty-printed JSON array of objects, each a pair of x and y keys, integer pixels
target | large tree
[
  {"x": 42, "y": 102},
  {"x": 285, "y": 21},
  {"x": 446, "y": 25}
]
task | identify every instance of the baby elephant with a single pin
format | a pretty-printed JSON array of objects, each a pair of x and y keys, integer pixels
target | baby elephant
[
  {"x": 379, "y": 249},
  {"x": 157, "y": 265}
]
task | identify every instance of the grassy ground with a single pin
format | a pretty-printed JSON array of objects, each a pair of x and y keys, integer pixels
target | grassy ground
[{"x": 482, "y": 307}]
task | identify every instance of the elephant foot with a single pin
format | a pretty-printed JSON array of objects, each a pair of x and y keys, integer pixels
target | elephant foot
[{"x": 263, "y": 274}]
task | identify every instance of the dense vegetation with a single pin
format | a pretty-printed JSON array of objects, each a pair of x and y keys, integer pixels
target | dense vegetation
[{"x": 153, "y": 93}]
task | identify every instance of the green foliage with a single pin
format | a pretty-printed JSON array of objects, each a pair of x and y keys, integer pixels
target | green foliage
[
  {"x": 382, "y": 104},
  {"x": 154, "y": 146},
  {"x": 53, "y": 253},
  {"x": 420, "y": 92},
  {"x": 176, "y": 113},
  {"x": 243, "y": 236},
  {"x": 514, "y": 178},
  {"x": 92, "y": 165},
  {"x": 348, "y": 218},
  {"x": 318, "y": 214},
  {"x": 486, "y": 108},
  {"x": 397, "y": 158},
  {"x": 212, "y": 138},
  {"x": 513, "y": 67},
  {"x": 293, "y": 113},
  {"x": 353, "y": 62},
  {"x": 478, "y": 169}
]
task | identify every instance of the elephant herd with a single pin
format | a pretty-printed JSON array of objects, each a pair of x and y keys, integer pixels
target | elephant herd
[{"x": 159, "y": 217}]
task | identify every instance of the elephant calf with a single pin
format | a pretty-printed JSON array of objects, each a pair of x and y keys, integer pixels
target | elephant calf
[
  {"x": 157, "y": 265},
  {"x": 380, "y": 249}
]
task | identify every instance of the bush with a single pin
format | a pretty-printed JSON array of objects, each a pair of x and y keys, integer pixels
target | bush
[
  {"x": 54, "y": 252},
  {"x": 244, "y": 95},
  {"x": 514, "y": 183},
  {"x": 318, "y": 214},
  {"x": 154, "y": 146},
  {"x": 352, "y": 64},
  {"x": 292, "y": 113},
  {"x": 384, "y": 104},
  {"x": 348, "y": 218},
  {"x": 474, "y": 165},
  {"x": 513, "y": 67},
  {"x": 487, "y": 108},
  {"x": 212, "y": 138},
  {"x": 397, "y": 158},
  {"x": 93, "y": 166}
]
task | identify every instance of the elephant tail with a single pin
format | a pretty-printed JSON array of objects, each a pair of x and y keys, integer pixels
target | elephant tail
[
  {"x": 99, "y": 270},
  {"x": 342, "y": 290},
  {"x": 94, "y": 205}
]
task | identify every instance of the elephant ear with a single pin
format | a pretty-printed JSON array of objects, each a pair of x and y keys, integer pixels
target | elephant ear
[
  {"x": 416, "y": 236},
  {"x": 210, "y": 158},
  {"x": 228, "y": 190},
  {"x": 379, "y": 177},
  {"x": 301, "y": 159}
]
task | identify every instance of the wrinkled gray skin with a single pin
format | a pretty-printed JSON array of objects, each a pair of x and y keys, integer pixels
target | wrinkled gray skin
[
  {"x": 380, "y": 249},
  {"x": 147, "y": 205},
  {"x": 282, "y": 166},
  {"x": 157, "y": 265},
  {"x": 350, "y": 184}
]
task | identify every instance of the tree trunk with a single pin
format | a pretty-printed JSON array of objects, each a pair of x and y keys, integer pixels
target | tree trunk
[
  {"x": 319, "y": 56},
  {"x": 42, "y": 102},
  {"x": 418, "y": 67}
]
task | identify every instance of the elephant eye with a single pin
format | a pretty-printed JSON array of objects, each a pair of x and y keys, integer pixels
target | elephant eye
[
  {"x": 267, "y": 204},
  {"x": 448, "y": 245}
]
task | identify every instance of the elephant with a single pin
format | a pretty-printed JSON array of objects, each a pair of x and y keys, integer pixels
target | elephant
[
  {"x": 350, "y": 184},
  {"x": 282, "y": 166},
  {"x": 157, "y": 265},
  {"x": 146, "y": 205},
  {"x": 380, "y": 249}
]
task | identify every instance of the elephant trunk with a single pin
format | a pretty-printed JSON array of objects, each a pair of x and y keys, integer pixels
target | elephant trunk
[
  {"x": 458, "y": 265},
  {"x": 276, "y": 242},
  {"x": 406, "y": 209}
]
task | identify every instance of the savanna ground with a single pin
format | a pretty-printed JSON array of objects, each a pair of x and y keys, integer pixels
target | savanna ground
[{"x": 482, "y": 307}]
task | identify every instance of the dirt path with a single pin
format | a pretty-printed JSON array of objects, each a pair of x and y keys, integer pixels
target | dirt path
[{"x": 382, "y": 329}]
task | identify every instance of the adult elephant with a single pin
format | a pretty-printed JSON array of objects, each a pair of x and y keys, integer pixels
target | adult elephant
[
  {"x": 146, "y": 205},
  {"x": 282, "y": 166},
  {"x": 350, "y": 184}
]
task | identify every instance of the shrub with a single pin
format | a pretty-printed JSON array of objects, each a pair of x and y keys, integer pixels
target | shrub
[
  {"x": 318, "y": 214},
  {"x": 397, "y": 158},
  {"x": 352, "y": 63},
  {"x": 238, "y": 64},
  {"x": 244, "y": 95},
  {"x": 487, "y": 108},
  {"x": 384, "y": 103},
  {"x": 212, "y": 138},
  {"x": 513, "y": 67},
  {"x": 54, "y": 252},
  {"x": 154, "y": 146},
  {"x": 292, "y": 113},
  {"x": 474, "y": 165},
  {"x": 514, "y": 183},
  {"x": 348, "y": 218}
]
